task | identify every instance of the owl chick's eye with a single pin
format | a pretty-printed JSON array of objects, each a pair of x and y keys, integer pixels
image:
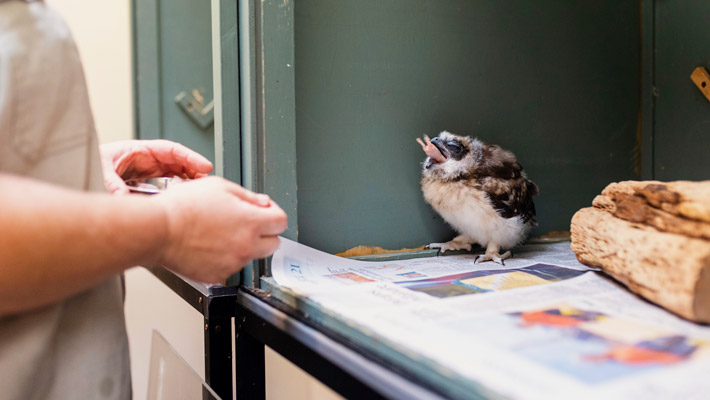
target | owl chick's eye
[{"x": 454, "y": 144}]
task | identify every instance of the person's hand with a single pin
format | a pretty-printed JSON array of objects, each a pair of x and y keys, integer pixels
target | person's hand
[
  {"x": 215, "y": 227},
  {"x": 132, "y": 159}
]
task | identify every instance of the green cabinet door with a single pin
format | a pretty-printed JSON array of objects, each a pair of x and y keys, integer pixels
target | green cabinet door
[
  {"x": 682, "y": 114},
  {"x": 173, "y": 72}
]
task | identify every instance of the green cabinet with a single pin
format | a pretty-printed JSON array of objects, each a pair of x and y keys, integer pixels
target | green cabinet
[
  {"x": 318, "y": 102},
  {"x": 555, "y": 82}
]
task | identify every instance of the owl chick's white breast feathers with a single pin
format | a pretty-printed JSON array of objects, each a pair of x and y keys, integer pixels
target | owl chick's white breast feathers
[{"x": 481, "y": 191}]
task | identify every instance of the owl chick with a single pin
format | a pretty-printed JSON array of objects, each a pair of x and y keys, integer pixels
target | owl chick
[{"x": 481, "y": 191}]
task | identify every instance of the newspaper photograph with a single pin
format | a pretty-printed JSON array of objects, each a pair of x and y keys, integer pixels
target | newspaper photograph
[{"x": 543, "y": 325}]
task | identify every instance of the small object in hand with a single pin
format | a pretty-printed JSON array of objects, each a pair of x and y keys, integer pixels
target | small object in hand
[{"x": 152, "y": 185}]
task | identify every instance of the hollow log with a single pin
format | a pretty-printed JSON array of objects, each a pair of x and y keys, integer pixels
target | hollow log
[{"x": 669, "y": 269}]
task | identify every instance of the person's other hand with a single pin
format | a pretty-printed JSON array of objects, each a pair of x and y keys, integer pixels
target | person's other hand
[
  {"x": 132, "y": 159},
  {"x": 215, "y": 227}
]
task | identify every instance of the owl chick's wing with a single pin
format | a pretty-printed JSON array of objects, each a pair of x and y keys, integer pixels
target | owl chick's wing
[{"x": 511, "y": 193}]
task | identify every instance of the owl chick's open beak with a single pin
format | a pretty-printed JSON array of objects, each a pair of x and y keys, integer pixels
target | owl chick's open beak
[{"x": 432, "y": 151}]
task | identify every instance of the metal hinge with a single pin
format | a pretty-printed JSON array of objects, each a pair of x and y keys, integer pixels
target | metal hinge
[{"x": 194, "y": 106}]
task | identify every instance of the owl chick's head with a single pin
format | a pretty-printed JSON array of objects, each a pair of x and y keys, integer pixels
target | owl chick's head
[{"x": 458, "y": 156}]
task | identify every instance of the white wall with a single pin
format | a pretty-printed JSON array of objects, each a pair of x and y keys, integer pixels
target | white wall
[{"x": 101, "y": 29}]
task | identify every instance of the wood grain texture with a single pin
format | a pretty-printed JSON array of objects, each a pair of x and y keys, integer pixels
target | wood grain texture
[
  {"x": 682, "y": 198},
  {"x": 655, "y": 238},
  {"x": 634, "y": 208},
  {"x": 668, "y": 269}
]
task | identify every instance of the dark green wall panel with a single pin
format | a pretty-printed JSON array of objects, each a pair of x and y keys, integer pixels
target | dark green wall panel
[
  {"x": 682, "y": 113},
  {"x": 556, "y": 82}
]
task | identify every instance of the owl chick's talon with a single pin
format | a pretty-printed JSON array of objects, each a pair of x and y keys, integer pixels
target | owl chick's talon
[
  {"x": 450, "y": 246},
  {"x": 495, "y": 257}
]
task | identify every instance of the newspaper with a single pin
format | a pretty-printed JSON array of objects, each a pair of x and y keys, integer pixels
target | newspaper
[{"x": 542, "y": 326}]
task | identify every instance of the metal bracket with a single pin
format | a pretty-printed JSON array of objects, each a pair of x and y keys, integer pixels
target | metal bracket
[
  {"x": 701, "y": 77},
  {"x": 193, "y": 105}
]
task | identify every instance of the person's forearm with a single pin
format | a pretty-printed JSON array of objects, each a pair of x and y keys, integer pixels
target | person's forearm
[{"x": 56, "y": 242}]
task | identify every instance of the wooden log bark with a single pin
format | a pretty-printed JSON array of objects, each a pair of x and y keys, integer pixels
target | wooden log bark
[
  {"x": 635, "y": 208},
  {"x": 685, "y": 199},
  {"x": 669, "y": 269}
]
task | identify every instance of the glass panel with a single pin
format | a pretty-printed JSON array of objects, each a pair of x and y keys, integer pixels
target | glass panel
[{"x": 171, "y": 378}]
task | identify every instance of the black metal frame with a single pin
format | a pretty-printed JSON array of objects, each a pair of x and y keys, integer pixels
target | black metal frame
[
  {"x": 348, "y": 369},
  {"x": 261, "y": 320},
  {"x": 257, "y": 327},
  {"x": 216, "y": 304}
]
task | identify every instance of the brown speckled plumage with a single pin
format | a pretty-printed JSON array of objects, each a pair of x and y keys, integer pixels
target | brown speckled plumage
[{"x": 480, "y": 190}]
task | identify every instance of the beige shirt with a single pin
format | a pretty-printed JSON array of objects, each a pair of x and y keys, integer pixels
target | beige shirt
[{"x": 77, "y": 348}]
